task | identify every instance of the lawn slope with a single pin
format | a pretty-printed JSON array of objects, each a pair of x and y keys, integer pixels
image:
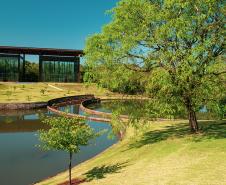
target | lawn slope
[
  {"x": 166, "y": 154},
  {"x": 11, "y": 92}
]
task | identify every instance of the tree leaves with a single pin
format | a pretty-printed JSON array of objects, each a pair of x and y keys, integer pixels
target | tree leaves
[
  {"x": 66, "y": 134},
  {"x": 171, "y": 49}
]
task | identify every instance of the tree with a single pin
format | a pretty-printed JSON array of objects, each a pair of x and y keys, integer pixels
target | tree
[
  {"x": 32, "y": 71},
  {"x": 128, "y": 83},
  {"x": 175, "y": 48},
  {"x": 66, "y": 134}
]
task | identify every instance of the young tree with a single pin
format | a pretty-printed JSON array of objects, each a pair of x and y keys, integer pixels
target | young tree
[
  {"x": 66, "y": 134},
  {"x": 176, "y": 48}
]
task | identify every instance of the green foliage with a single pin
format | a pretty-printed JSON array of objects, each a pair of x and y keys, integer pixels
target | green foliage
[
  {"x": 66, "y": 134},
  {"x": 28, "y": 98},
  {"x": 171, "y": 49},
  {"x": 134, "y": 109},
  {"x": 32, "y": 71},
  {"x": 222, "y": 106},
  {"x": 8, "y": 94},
  {"x": 118, "y": 126},
  {"x": 111, "y": 77},
  {"x": 42, "y": 91}
]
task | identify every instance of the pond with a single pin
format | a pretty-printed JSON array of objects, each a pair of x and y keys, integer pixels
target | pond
[
  {"x": 143, "y": 108},
  {"x": 22, "y": 163},
  {"x": 123, "y": 106}
]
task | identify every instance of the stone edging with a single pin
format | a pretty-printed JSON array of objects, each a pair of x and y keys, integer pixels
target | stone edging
[
  {"x": 76, "y": 115},
  {"x": 105, "y": 115},
  {"x": 52, "y": 102},
  {"x": 55, "y": 103},
  {"x": 69, "y": 100},
  {"x": 97, "y": 113}
]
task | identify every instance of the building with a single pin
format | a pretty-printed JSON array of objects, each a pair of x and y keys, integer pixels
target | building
[{"x": 55, "y": 65}]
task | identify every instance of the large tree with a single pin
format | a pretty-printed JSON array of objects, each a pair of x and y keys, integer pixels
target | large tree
[{"x": 174, "y": 47}]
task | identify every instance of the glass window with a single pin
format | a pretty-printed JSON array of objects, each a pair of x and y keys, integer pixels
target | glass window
[
  {"x": 60, "y": 71},
  {"x": 9, "y": 68}
]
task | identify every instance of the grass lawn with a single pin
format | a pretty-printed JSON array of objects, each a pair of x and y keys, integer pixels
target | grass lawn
[
  {"x": 165, "y": 154},
  {"x": 34, "y": 92}
]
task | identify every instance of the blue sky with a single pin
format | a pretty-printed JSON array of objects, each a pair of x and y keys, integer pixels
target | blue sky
[{"x": 52, "y": 23}]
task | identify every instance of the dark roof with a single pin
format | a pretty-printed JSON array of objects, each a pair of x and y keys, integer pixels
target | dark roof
[{"x": 40, "y": 51}]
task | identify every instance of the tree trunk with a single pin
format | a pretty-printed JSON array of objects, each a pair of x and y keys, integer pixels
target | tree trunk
[
  {"x": 192, "y": 117},
  {"x": 70, "y": 168},
  {"x": 193, "y": 121}
]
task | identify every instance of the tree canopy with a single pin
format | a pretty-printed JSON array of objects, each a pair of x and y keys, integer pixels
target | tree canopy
[{"x": 171, "y": 49}]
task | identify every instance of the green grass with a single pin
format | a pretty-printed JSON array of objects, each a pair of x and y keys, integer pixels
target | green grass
[
  {"x": 166, "y": 154},
  {"x": 33, "y": 92}
]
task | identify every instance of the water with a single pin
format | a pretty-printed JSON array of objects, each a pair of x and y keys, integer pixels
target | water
[
  {"x": 143, "y": 108},
  {"x": 125, "y": 107},
  {"x": 22, "y": 163}
]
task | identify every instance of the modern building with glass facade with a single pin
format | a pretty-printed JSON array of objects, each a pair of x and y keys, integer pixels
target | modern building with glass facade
[
  {"x": 59, "y": 69},
  {"x": 55, "y": 65},
  {"x": 9, "y": 67}
]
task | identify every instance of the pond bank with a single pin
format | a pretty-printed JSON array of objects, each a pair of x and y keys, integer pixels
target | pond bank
[
  {"x": 37, "y": 105},
  {"x": 23, "y": 106}
]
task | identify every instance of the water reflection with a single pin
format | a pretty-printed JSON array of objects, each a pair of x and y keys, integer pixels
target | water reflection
[
  {"x": 125, "y": 107},
  {"x": 136, "y": 108},
  {"x": 21, "y": 121},
  {"x": 22, "y": 163}
]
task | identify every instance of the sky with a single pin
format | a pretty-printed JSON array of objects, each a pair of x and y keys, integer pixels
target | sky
[{"x": 52, "y": 23}]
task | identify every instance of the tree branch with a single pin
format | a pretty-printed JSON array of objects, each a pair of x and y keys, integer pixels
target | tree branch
[{"x": 136, "y": 68}]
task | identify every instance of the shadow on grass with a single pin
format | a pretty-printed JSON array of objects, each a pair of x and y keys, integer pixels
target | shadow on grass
[
  {"x": 74, "y": 182},
  {"x": 101, "y": 171},
  {"x": 208, "y": 130}
]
